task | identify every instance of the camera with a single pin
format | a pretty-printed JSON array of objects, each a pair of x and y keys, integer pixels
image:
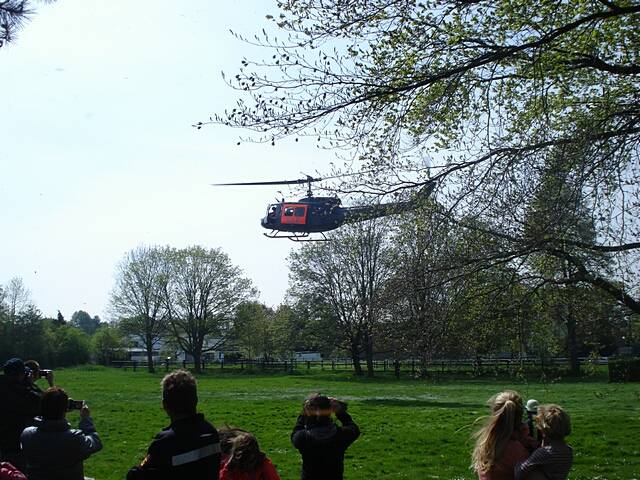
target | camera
[
  {"x": 75, "y": 404},
  {"x": 44, "y": 372}
]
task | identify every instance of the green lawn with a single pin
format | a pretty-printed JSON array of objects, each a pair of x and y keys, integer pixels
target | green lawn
[{"x": 410, "y": 428}]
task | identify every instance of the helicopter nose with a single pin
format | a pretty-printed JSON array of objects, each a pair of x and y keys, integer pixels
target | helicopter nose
[{"x": 264, "y": 222}]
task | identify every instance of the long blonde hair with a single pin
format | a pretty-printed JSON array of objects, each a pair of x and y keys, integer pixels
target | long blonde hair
[{"x": 491, "y": 439}]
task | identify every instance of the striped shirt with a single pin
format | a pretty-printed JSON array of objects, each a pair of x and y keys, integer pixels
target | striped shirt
[{"x": 553, "y": 461}]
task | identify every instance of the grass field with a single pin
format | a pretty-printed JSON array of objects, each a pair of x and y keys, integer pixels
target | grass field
[{"x": 411, "y": 429}]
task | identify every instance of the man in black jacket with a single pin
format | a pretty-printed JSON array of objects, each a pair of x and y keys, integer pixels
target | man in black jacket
[
  {"x": 321, "y": 442},
  {"x": 188, "y": 448},
  {"x": 19, "y": 404}
]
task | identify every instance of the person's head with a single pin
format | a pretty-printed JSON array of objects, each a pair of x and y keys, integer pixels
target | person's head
[
  {"x": 179, "y": 393},
  {"x": 34, "y": 366},
  {"x": 318, "y": 407},
  {"x": 55, "y": 402},
  {"x": 506, "y": 416},
  {"x": 14, "y": 368},
  {"x": 226, "y": 435},
  {"x": 245, "y": 453},
  {"x": 553, "y": 422}
]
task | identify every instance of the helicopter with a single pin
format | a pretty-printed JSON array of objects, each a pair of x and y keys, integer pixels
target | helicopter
[{"x": 296, "y": 221}]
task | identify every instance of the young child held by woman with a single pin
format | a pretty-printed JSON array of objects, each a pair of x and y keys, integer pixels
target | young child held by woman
[{"x": 554, "y": 458}]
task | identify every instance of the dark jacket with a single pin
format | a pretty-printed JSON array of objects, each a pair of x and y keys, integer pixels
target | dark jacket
[
  {"x": 322, "y": 445},
  {"x": 55, "y": 451},
  {"x": 186, "y": 449},
  {"x": 19, "y": 405}
]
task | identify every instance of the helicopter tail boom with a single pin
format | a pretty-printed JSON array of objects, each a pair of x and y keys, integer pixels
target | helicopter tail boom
[{"x": 362, "y": 213}]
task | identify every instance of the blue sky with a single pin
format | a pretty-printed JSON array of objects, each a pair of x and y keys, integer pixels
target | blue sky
[{"x": 97, "y": 152}]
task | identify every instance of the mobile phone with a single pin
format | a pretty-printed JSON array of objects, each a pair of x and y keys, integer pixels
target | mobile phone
[{"x": 75, "y": 404}]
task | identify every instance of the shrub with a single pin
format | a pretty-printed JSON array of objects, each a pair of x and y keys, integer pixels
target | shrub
[{"x": 624, "y": 369}]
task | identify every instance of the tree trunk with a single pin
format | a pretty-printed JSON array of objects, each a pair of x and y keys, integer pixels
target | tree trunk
[
  {"x": 572, "y": 343},
  {"x": 368, "y": 352},
  {"x": 197, "y": 362},
  {"x": 355, "y": 357},
  {"x": 149, "y": 346}
]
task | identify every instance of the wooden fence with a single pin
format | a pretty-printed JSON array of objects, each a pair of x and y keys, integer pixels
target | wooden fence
[{"x": 411, "y": 367}]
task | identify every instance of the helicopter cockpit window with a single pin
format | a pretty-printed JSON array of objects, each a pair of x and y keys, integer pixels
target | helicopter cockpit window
[
  {"x": 288, "y": 212},
  {"x": 272, "y": 211}
]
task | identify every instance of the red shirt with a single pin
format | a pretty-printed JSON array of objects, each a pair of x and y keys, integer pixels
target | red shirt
[
  {"x": 514, "y": 452},
  {"x": 266, "y": 471}
]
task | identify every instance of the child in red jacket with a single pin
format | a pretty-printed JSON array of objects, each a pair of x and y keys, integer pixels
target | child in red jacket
[{"x": 247, "y": 462}]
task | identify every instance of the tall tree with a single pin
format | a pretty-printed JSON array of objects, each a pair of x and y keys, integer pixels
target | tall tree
[
  {"x": 422, "y": 294},
  {"x": 202, "y": 291},
  {"x": 253, "y": 329},
  {"x": 107, "y": 344},
  {"x": 138, "y": 296},
  {"x": 350, "y": 272},
  {"x": 17, "y": 298},
  {"x": 485, "y": 91},
  {"x": 85, "y": 322}
]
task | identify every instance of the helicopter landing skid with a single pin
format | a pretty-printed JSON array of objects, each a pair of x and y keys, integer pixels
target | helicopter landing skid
[{"x": 296, "y": 237}]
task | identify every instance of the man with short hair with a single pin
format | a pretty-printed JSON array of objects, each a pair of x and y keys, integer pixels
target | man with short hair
[
  {"x": 19, "y": 405},
  {"x": 188, "y": 448},
  {"x": 53, "y": 450}
]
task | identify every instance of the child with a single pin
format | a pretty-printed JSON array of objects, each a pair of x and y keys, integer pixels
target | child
[
  {"x": 246, "y": 461},
  {"x": 554, "y": 458},
  {"x": 226, "y": 435},
  {"x": 502, "y": 442}
]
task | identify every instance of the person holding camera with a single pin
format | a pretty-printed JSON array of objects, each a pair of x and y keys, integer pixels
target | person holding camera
[
  {"x": 320, "y": 441},
  {"x": 35, "y": 373},
  {"x": 19, "y": 405},
  {"x": 52, "y": 449}
]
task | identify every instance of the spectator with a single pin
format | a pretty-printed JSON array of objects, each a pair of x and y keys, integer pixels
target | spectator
[
  {"x": 53, "y": 450},
  {"x": 19, "y": 404},
  {"x": 321, "y": 442},
  {"x": 226, "y": 435},
  {"x": 189, "y": 447},
  {"x": 503, "y": 441},
  {"x": 34, "y": 374},
  {"x": 554, "y": 458},
  {"x": 247, "y": 462}
]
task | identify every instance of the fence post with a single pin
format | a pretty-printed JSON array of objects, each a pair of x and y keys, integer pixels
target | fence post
[
  {"x": 308, "y": 365},
  {"x": 413, "y": 366},
  {"x": 242, "y": 364},
  {"x": 222, "y": 364},
  {"x": 322, "y": 364},
  {"x": 134, "y": 365},
  {"x": 396, "y": 367}
]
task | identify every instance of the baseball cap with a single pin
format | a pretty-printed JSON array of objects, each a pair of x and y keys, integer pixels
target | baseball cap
[{"x": 13, "y": 366}]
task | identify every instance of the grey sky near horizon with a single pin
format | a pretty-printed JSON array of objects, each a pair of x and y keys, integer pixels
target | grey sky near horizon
[{"x": 98, "y": 155}]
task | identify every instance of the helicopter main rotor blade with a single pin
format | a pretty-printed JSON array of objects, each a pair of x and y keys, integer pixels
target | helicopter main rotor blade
[{"x": 300, "y": 181}]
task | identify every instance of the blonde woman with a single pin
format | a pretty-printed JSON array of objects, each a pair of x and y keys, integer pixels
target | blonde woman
[{"x": 504, "y": 439}]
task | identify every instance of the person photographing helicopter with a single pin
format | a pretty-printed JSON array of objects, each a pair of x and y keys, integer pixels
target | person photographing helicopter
[{"x": 321, "y": 442}]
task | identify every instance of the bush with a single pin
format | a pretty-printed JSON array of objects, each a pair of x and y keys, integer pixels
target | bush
[{"x": 624, "y": 369}]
